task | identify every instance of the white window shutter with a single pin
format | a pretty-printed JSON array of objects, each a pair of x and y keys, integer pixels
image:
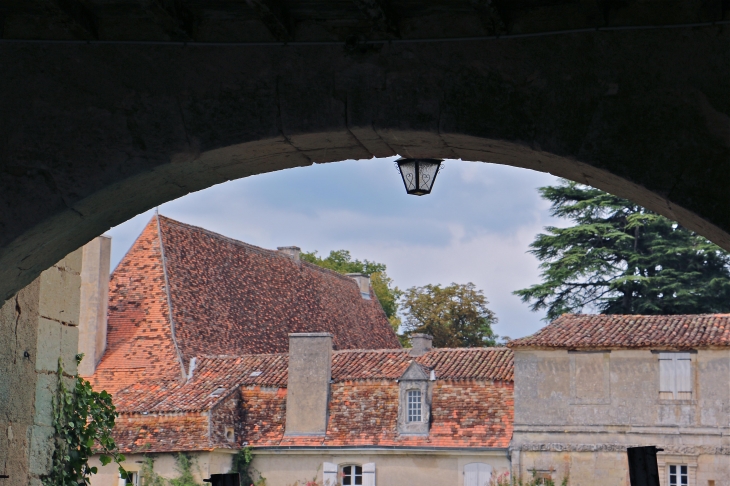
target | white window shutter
[
  {"x": 471, "y": 474},
  {"x": 684, "y": 375},
  {"x": 122, "y": 481},
  {"x": 485, "y": 474},
  {"x": 667, "y": 379},
  {"x": 368, "y": 474},
  {"x": 329, "y": 474}
]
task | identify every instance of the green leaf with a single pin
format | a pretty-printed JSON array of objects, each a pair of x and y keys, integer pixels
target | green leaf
[{"x": 104, "y": 459}]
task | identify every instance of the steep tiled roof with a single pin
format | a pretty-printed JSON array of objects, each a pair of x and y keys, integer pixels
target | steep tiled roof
[
  {"x": 228, "y": 298},
  {"x": 139, "y": 338},
  {"x": 232, "y": 298},
  {"x": 631, "y": 331},
  {"x": 472, "y": 400}
]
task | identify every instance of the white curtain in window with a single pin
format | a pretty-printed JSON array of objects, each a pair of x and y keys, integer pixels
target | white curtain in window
[
  {"x": 368, "y": 474},
  {"x": 329, "y": 474},
  {"x": 477, "y": 474}
]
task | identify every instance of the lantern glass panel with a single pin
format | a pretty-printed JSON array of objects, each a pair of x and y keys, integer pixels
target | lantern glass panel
[
  {"x": 426, "y": 175},
  {"x": 408, "y": 172}
]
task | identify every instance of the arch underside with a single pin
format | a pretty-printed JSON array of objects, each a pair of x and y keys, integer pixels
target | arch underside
[{"x": 92, "y": 135}]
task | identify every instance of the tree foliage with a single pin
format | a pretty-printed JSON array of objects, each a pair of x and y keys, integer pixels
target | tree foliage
[
  {"x": 620, "y": 258},
  {"x": 341, "y": 261},
  {"x": 456, "y": 315}
]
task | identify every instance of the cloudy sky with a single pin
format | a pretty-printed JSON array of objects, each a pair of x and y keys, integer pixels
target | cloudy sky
[{"x": 474, "y": 227}]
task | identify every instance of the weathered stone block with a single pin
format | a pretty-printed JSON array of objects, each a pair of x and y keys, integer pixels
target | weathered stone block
[
  {"x": 41, "y": 449},
  {"x": 49, "y": 345},
  {"x": 72, "y": 261},
  {"x": 59, "y": 295},
  {"x": 45, "y": 390},
  {"x": 69, "y": 348}
]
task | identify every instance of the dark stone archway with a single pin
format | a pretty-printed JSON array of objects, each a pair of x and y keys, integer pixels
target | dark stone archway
[{"x": 91, "y": 135}]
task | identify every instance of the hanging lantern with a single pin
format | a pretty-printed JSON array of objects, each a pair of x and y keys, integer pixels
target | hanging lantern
[{"x": 418, "y": 174}]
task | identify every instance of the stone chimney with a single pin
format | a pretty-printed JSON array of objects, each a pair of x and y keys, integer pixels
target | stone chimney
[
  {"x": 363, "y": 283},
  {"x": 291, "y": 251},
  {"x": 420, "y": 344},
  {"x": 94, "y": 301},
  {"x": 308, "y": 385}
]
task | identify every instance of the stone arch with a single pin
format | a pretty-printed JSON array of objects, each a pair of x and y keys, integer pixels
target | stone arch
[{"x": 94, "y": 134}]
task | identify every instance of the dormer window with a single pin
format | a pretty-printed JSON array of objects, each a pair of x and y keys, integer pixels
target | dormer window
[{"x": 414, "y": 406}]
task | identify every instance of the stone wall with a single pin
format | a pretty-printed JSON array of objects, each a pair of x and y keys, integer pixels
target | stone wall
[
  {"x": 576, "y": 413},
  {"x": 392, "y": 468},
  {"x": 38, "y": 326}
]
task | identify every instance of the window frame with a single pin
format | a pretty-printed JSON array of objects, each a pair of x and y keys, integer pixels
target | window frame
[
  {"x": 678, "y": 475},
  {"x": 412, "y": 405},
  {"x": 134, "y": 480},
  {"x": 353, "y": 474}
]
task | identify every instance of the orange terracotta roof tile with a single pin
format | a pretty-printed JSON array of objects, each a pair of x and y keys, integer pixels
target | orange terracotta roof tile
[
  {"x": 472, "y": 401},
  {"x": 227, "y": 298},
  {"x": 162, "y": 433},
  {"x": 575, "y": 331}
]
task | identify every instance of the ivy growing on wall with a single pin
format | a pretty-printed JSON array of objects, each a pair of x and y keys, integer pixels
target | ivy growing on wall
[
  {"x": 242, "y": 465},
  {"x": 83, "y": 421}
]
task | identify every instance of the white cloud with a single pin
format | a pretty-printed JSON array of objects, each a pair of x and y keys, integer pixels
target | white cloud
[{"x": 476, "y": 226}]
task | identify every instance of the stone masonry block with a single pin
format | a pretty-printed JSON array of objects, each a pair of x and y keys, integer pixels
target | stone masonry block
[
  {"x": 41, "y": 450},
  {"x": 49, "y": 345},
  {"x": 59, "y": 295},
  {"x": 45, "y": 390},
  {"x": 72, "y": 261},
  {"x": 69, "y": 348}
]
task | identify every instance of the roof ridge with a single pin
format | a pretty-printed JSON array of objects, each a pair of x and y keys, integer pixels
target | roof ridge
[
  {"x": 328, "y": 270},
  {"x": 473, "y": 349},
  {"x": 656, "y": 316},
  {"x": 224, "y": 237},
  {"x": 382, "y": 350},
  {"x": 238, "y": 356}
]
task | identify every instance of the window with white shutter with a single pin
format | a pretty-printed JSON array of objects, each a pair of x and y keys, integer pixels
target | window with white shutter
[
  {"x": 675, "y": 376},
  {"x": 368, "y": 474},
  {"x": 477, "y": 474},
  {"x": 329, "y": 474}
]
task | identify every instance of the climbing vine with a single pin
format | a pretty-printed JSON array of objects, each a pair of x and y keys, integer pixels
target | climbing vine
[
  {"x": 242, "y": 465},
  {"x": 83, "y": 420}
]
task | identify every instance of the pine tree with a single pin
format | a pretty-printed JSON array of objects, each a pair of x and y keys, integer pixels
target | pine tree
[{"x": 619, "y": 258}]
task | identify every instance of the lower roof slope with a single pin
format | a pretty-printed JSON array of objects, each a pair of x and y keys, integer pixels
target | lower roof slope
[
  {"x": 590, "y": 331},
  {"x": 473, "y": 402}
]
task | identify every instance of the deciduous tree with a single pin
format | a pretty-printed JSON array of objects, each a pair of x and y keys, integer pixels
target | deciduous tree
[{"x": 456, "y": 315}]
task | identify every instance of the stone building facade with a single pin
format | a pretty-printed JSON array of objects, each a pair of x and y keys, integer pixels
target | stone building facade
[{"x": 589, "y": 386}]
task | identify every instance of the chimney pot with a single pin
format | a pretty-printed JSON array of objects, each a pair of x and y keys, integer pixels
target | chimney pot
[
  {"x": 363, "y": 283},
  {"x": 291, "y": 251},
  {"x": 421, "y": 344}
]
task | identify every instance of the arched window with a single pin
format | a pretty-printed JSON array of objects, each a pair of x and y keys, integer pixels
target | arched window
[{"x": 414, "y": 406}]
